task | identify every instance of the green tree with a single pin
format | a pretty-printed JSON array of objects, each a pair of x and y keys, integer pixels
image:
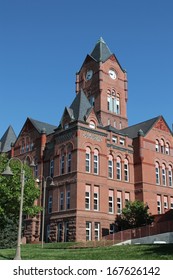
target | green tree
[
  {"x": 135, "y": 214},
  {"x": 10, "y": 191}
]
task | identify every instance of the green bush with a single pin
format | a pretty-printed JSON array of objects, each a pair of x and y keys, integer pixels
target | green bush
[{"x": 8, "y": 234}]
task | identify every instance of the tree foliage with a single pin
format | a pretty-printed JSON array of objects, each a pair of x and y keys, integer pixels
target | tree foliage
[
  {"x": 10, "y": 191},
  {"x": 135, "y": 214}
]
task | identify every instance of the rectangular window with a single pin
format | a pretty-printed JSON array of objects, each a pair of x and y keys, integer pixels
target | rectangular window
[
  {"x": 127, "y": 197},
  {"x": 66, "y": 232},
  {"x": 118, "y": 170},
  {"x": 122, "y": 141},
  {"x": 68, "y": 200},
  {"x": 87, "y": 197},
  {"x": 111, "y": 201},
  {"x": 96, "y": 198},
  {"x": 110, "y": 169},
  {"x": 50, "y": 204},
  {"x": 88, "y": 231},
  {"x": 60, "y": 230},
  {"x": 95, "y": 164},
  {"x": 171, "y": 202},
  {"x": 170, "y": 177},
  {"x": 51, "y": 168},
  {"x": 61, "y": 201},
  {"x": 157, "y": 176},
  {"x": 119, "y": 202},
  {"x": 114, "y": 139},
  {"x": 126, "y": 172},
  {"x": 159, "y": 206},
  {"x": 164, "y": 177},
  {"x": 87, "y": 162},
  {"x": 165, "y": 203},
  {"x": 97, "y": 231},
  {"x": 62, "y": 165},
  {"x": 69, "y": 162}
]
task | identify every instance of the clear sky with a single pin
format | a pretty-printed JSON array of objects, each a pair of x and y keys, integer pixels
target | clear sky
[{"x": 43, "y": 43}]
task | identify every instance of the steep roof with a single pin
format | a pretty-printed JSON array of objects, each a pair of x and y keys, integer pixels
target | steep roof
[
  {"x": 42, "y": 126},
  {"x": 101, "y": 52},
  {"x": 7, "y": 139},
  {"x": 80, "y": 106},
  {"x": 132, "y": 131}
]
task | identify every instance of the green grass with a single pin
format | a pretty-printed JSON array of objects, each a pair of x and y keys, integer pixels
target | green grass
[{"x": 65, "y": 251}]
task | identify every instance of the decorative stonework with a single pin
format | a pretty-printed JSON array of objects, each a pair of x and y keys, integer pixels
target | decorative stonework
[
  {"x": 161, "y": 125},
  {"x": 92, "y": 136}
]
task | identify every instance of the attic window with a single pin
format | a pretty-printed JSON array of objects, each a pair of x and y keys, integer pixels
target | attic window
[
  {"x": 122, "y": 141},
  {"x": 114, "y": 139},
  {"x": 66, "y": 125},
  {"x": 92, "y": 125}
]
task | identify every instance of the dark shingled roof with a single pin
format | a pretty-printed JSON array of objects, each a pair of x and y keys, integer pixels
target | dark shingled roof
[
  {"x": 113, "y": 129},
  {"x": 101, "y": 51},
  {"x": 42, "y": 126},
  {"x": 7, "y": 139},
  {"x": 80, "y": 106},
  {"x": 132, "y": 131}
]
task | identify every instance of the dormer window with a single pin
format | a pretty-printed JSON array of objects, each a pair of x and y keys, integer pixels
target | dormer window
[
  {"x": 92, "y": 125},
  {"x": 66, "y": 125},
  {"x": 122, "y": 141}
]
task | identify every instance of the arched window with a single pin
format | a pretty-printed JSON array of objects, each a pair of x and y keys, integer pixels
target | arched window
[
  {"x": 163, "y": 174},
  {"x": 96, "y": 161},
  {"x": 62, "y": 165},
  {"x": 167, "y": 150},
  {"x": 110, "y": 166},
  {"x": 126, "y": 170},
  {"x": 92, "y": 124},
  {"x": 157, "y": 146},
  {"x": 88, "y": 160},
  {"x": 118, "y": 104},
  {"x": 157, "y": 173},
  {"x": 162, "y": 146},
  {"x": 118, "y": 167},
  {"x": 170, "y": 175}
]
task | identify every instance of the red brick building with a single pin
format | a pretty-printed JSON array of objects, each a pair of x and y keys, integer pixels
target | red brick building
[{"x": 96, "y": 160}]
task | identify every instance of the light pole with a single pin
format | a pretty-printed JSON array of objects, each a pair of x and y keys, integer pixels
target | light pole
[
  {"x": 8, "y": 172},
  {"x": 44, "y": 202}
]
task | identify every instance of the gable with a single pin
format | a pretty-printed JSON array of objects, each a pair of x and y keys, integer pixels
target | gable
[{"x": 162, "y": 125}]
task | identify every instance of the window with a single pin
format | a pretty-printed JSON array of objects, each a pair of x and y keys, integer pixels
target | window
[
  {"x": 87, "y": 197},
  {"x": 88, "y": 231},
  {"x": 118, "y": 168},
  {"x": 170, "y": 175},
  {"x": 171, "y": 202},
  {"x": 96, "y": 162},
  {"x": 68, "y": 200},
  {"x": 62, "y": 164},
  {"x": 163, "y": 175},
  {"x": 126, "y": 170},
  {"x": 162, "y": 146},
  {"x": 114, "y": 139},
  {"x": 92, "y": 125},
  {"x": 165, "y": 203},
  {"x": 51, "y": 168},
  {"x": 157, "y": 173},
  {"x": 159, "y": 208},
  {"x": 69, "y": 162},
  {"x": 118, "y": 104},
  {"x": 61, "y": 201},
  {"x": 110, "y": 167},
  {"x": 36, "y": 170},
  {"x": 112, "y": 228},
  {"x": 97, "y": 231},
  {"x": 127, "y": 197},
  {"x": 122, "y": 141},
  {"x": 113, "y": 102},
  {"x": 167, "y": 149},
  {"x": 119, "y": 202},
  {"x": 111, "y": 201},
  {"x": 87, "y": 159},
  {"x": 157, "y": 146},
  {"x": 96, "y": 198},
  {"x": 60, "y": 229},
  {"x": 66, "y": 232},
  {"x": 50, "y": 204}
]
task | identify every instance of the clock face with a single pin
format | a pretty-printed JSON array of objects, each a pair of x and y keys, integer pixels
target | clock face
[
  {"x": 112, "y": 74},
  {"x": 89, "y": 75}
]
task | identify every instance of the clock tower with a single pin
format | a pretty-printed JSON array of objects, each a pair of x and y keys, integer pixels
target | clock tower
[{"x": 104, "y": 82}]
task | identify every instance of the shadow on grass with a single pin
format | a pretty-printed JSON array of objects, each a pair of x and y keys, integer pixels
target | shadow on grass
[
  {"x": 162, "y": 250},
  {"x": 5, "y": 257}
]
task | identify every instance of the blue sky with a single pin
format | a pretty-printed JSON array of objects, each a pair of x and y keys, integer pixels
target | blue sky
[{"x": 43, "y": 43}]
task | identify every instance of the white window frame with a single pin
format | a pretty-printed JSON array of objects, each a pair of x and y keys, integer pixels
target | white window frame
[
  {"x": 97, "y": 231},
  {"x": 88, "y": 231},
  {"x": 111, "y": 202}
]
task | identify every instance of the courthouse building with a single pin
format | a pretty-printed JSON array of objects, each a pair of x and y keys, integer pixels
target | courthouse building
[{"x": 96, "y": 160}]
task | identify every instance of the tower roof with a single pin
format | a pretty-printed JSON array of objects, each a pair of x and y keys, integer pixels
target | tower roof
[
  {"x": 7, "y": 139},
  {"x": 101, "y": 51},
  {"x": 80, "y": 106}
]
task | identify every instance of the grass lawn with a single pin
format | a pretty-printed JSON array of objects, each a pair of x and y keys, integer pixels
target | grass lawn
[{"x": 65, "y": 251}]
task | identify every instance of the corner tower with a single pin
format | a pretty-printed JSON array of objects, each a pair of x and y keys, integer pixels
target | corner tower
[{"x": 104, "y": 82}]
